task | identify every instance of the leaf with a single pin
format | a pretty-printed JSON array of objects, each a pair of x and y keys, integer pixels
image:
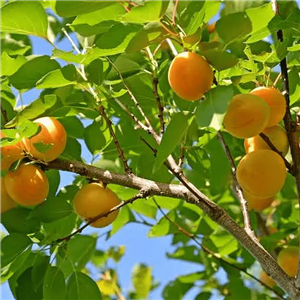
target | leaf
[
  {"x": 33, "y": 70},
  {"x": 220, "y": 60},
  {"x": 149, "y": 12},
  {"x": 24, "y": 17},
  {"x": 163, "y": 226},
  {"x": 52, "y": 209},
  {"x": 58, "y": 78},
  {"x": 176, "y": 290},
  {"x": 225, "y": 242},
  {"x": 38, "y": 270},
  {"x": 12, "y": 246},
  {"x": 142, "y": 280},
  {"x": 54, "y": 286},
  {"x": 116, "y": 39},
  {"x": 294, "y": 82},
  {"x": 72, "y": 150},
  {"x": 10, "y": 65},
  {"x": 125, "y": 216},
  {"x": 94, "y": 71},
  {"x": 211, "y": 111},
  {"x": 82, "y": 287},
  {"x": 172, "y": 138},
  {"x": 54, "y": 181},
  {"x": 73, "y": 126}
]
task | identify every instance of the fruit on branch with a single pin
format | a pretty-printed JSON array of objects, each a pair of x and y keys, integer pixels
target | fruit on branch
[
  {"x": 92, "y": 200},
  {"x": 257, "y": 203},
  {"x": 10, "y": 153},
  {"x": 288, "y": 260},
  {"x": 50, "y": 142},
  {"x": 247, "y": 115},
  {"x": 266, "y": 279},
  {"x": 277, "y": 136},
  {"x": 6, "y": 202},
  {"x": 190, "y": 76},
  {"x": 276, "y": 102},
  {"x": 28, "y": 185},
  {"x": 261, "y": 173}
]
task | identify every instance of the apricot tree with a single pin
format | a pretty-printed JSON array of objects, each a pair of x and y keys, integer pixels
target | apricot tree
[{"x": 176, "y": 165}]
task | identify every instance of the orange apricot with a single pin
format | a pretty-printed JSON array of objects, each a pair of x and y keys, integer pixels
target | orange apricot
[
  {"x": 50, "y": 142},
  {"x": 277, "y": 136},
  {"x": 276, "y": 102},
  {"x": 256, "y": 203},
  {"x": 247, "y": 115},
  {"x": 6, "y": 202},
  {"x": 10, "y": 153},
  {"x": 92, "y": 200},
  {"x": 190, "y": 76},
  {"x": 266, "y": 279},
  {"x": 288, "y": 260},
  {"x": 28, "y": 185},
  {"x": 261, "y": 173}
]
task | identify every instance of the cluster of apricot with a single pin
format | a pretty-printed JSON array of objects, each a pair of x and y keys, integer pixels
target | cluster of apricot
[
  {"x": 28, "y": 185},
  {"x": 261, "y": 173}
]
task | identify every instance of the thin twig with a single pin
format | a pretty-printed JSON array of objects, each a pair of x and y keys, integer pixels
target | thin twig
[
  {"x": 174, "y": 12},
  {"x": 127, "y": 169},
  {"x": 210, "y": 252},
  {"x": 141, "y": 194},
  {"x": 181, "y": 157},
  {"x": 272, "y": 146},
  {"x": 244, "y": 203},
  {"x": 173, "y": 49},
  {"x": 276, "y": 80},
  {"x": 70, "y": 40},
  {"x": 4, "y": 113}
]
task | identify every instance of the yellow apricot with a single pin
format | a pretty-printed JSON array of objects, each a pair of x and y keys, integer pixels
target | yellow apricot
[
  {"x": 277, "y": 136},
  {"x": 288, "y": 260},
  {"x": 190, "y": 76},
  {"x": 28, "y": 185},
  {"x": 247, "y": 115},
  {"x": 261, "y": 173},
  {"x": 50, "y": 142},
  {"x": 266, "y": 279},
  {"x": 10, "y": 153},
  {"x": 6, "y": 202},
  {"x": 276, "y": 102},
  {"x": 92, "y": 200},
  {"x": 256, "y": 203}
]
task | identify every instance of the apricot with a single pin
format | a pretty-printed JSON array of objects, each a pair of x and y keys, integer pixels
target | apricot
[
  {"x": 276, "y": 102},
  {"x": 288, "y": 260},
  {"x": 256, "y": 203},
  {"x": 28, "y": 185},
  {"x": 6, "y": 202},
  {"x": 277, "y": 136},
  {"x": 50, "y": 142},
  {"x": 92, "y": 200},
  {"x": 266, "y": 279},
  {"x": 247, "y": 115},
  {"x": 10, "y": 153},
  {"x": 190, "y": 76},
  {"x": 261, "y": 173}
]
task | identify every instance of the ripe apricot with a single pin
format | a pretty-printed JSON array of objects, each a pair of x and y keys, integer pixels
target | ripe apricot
[
  {"x": 50, "y": 142},
  {"x": 92, "y": 200},
  {"x": 190, "y": 76},
  {"x": 6, "y": 202},
  {"x": 277, "y": 136},
  {"x": 256, "y": 203},
  {"x": 28, "y": 185},
  {"x": 261, "y": 173},
  {"x": 247, "y": 115},
  {"x": 288, "y": 260},
  {"x": 276, "y": 102},
  {"x": 266, "y": 279},
  {"x": 10, "y": 153}
]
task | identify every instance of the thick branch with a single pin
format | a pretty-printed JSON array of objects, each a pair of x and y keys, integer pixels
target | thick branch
[{"x": 215, "y": 212}]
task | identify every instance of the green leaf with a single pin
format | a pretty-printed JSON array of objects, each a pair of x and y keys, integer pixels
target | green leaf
[
  {"x": 52, "y": 209},
  {"x": 172, "y": 138},
  {"x": 94, "y": 71},
  {"x": 54, "y": 286},
  {"x": 12, "y": 246},
  {"x": 294, "y": 82},
  {"x": 38, "y": 271},
  {"x": 10, "y": 65},
  {"x": 33, "y": 70},
  {"x": 225, "y": 242},
  {"x": 74, "y": 8},
  {"x": 176, "y": 290},
  {"x": 24, "y": 17},
  {"x": 82, "y": 287},
  {"x": 187, "y": 253},
  {"x": 125, "y": 216},
  {"x": 72, "y": 150},
  {"x": 79, "y": 251},
  {"x": 144, "y": 207},
  {"x": 294, "y": 48},
  {"x": 54, "y": 181},
  {"x": 142, "y": 280},
  {"x": 73, "y": 126},
  {"x": 149, "y": 12},
  {"x": 211, "y": 111},
  {"x": 121, "y": 33},
  {"x": 163, "y": 226},
  {"x": 58, "y": 78},
  {"x": 220, "y": 60}
]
